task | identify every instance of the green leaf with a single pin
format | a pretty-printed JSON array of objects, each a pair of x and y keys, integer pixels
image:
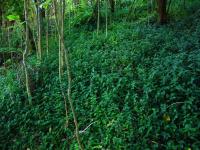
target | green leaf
[{"x": 13, "y": 17}]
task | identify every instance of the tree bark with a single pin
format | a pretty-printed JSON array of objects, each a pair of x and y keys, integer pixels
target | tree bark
[
  {"x": 59, "y": 27},
  {"x": 112, "y": 6},
  {"x": 31, "y": 40},
  {"x": 1, "y": 16},
  {"x": 26, "y": 51},
  {"x": 47, "y": 31},
  {"x": 162, "y": 10}
]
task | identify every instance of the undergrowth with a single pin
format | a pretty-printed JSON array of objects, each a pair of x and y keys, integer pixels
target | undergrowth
[{"x": 137, "y": 88}]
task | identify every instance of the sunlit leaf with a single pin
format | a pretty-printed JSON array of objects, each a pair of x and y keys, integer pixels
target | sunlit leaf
[
  {"x": 166, "y": 118},
  {"x": 13, "y": 17}
]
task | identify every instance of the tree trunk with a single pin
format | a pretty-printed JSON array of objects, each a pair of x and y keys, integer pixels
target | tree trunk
[
  {"x": 26, "y": 51},
  {"x": 1, "y": 16},
  {"x": 112, "y": 5},
  {"x": 47, "y": 31},
  {"x": 162, "y": 10},
  {"x": 39, "y": 36},
  {"x": 60, "y": 28},
  {"x": 31, "y": 40}
]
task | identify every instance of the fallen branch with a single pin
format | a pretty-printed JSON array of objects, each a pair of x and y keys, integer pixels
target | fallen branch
[{"x": 81, "y": 132}]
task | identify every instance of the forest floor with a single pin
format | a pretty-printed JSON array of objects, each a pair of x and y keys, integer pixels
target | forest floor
[{"x": 139, "y": 87}]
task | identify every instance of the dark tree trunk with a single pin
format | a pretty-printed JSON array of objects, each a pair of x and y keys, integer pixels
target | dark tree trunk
[
  {"x": 31, "y": 38},
  {"x": 94, "y": 13},
  {"x": 41, "y": 12},
  {"x": 162, "y": 10},
  {"x": 42, "y": 18},
  {"x": 1, "y": 14},
  {"x": 112, "y": 5}
]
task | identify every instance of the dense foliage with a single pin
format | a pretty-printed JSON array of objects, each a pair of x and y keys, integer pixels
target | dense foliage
[{"x": 137, "y": 88}]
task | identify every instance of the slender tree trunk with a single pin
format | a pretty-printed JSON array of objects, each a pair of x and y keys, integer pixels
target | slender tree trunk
[
  {"x": 25, "y": 52},
  {"x": 39, "y": 36},
  {"x": 8, "y": 35},
  {"x": 98, "y": 16},
  {"x": 47, "y": 31},
  {"x": 1, "y": 16},
  {"x": 2, "y": 27},
  {"x": 32, "y": 43},
  {"x": 60, "y": 28},
  {"x": 62, "y": 13},
  {"x": 58, "y": 15},
  {"x": 67, "y": 61},
  {"x": 62, "y": 54},
  {"x": 112, "y": 6},
  {"x": 31, "y": 40},
  {"x": 106, "y": 17},
  {"x": 168, "y": 8},
  {"x": 162, "y": 10},
  {"x": 95, "y": 12}
]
